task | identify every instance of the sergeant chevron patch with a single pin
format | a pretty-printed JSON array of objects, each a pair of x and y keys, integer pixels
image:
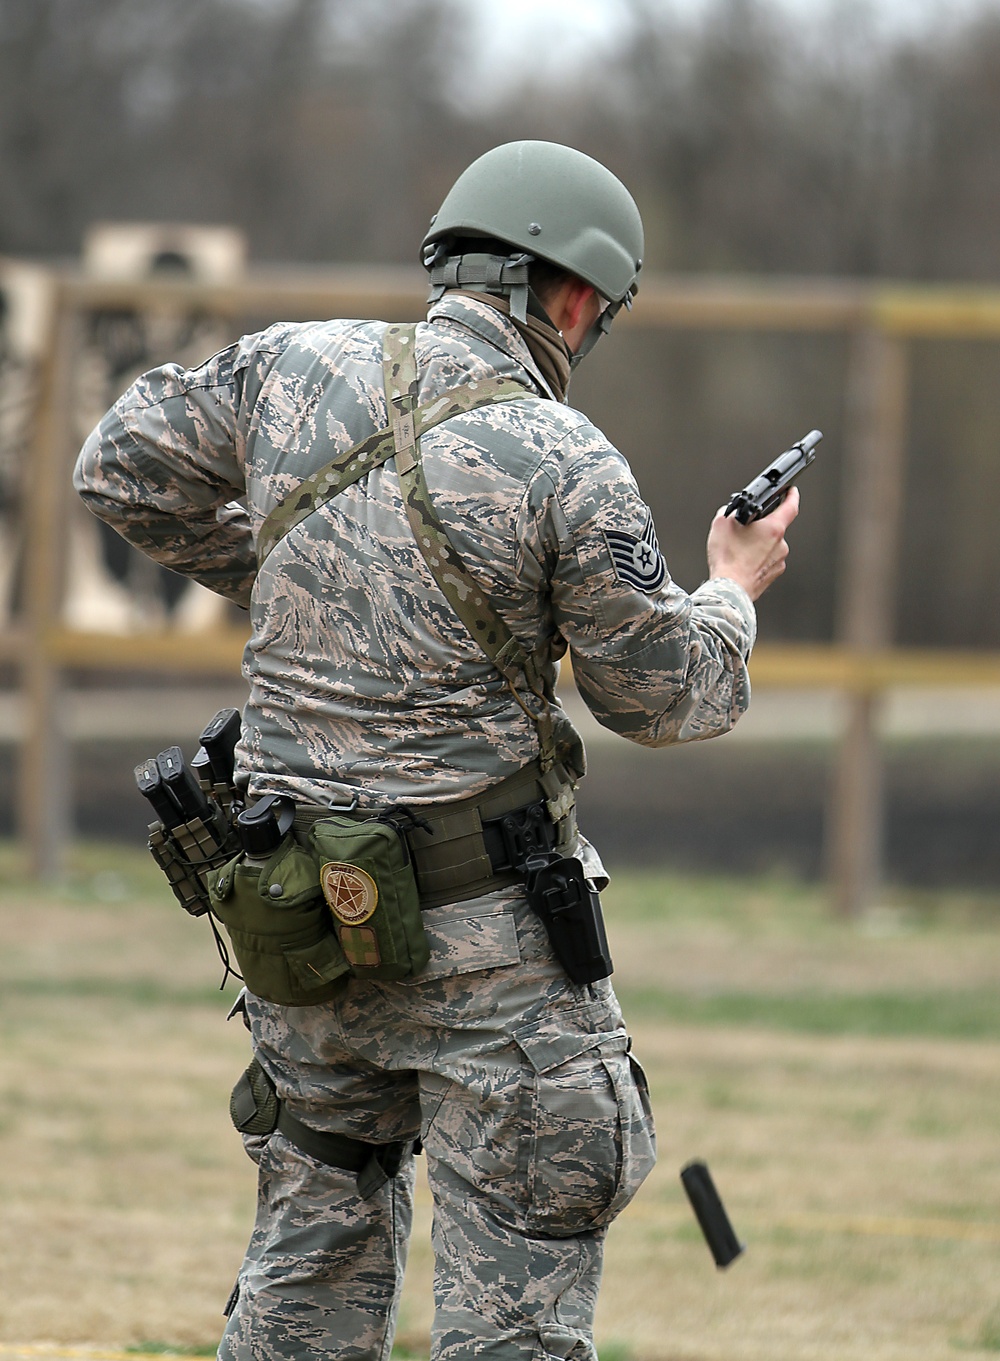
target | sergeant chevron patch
[{"x": 638, "y": 561}]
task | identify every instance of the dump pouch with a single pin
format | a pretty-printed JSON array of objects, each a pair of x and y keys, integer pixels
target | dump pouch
[
  {"x": 279, "y": 926},
  {"x": 368, "y": 882}
]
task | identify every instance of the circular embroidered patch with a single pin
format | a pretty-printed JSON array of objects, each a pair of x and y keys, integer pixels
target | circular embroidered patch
[{"x": 351, "y": 893}]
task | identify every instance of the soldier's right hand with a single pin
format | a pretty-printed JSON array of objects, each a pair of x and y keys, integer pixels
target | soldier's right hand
[{"x": 752, "y": 555}]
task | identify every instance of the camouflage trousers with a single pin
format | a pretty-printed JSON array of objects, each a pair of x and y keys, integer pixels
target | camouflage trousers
[{"x": 535, "y": 1123}]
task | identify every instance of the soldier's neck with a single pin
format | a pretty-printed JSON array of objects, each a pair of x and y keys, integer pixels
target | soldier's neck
[{"x": 546, "y": 346}]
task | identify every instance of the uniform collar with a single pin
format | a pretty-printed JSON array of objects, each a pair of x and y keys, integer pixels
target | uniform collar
[{"x": 483, "y": 320}]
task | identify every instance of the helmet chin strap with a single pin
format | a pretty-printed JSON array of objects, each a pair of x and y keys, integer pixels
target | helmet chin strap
[{"x": 601, "y": 326}]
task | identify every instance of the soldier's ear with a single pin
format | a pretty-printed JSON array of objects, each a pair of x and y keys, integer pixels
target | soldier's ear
[
  {"x": 581, "y": 308},
  {"x": 578, "y": 297}
]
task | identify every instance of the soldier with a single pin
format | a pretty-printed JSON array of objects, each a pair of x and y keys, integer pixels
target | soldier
[{"x": 407, "y": 611}]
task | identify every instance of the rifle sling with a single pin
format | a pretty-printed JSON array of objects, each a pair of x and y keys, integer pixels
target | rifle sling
[{"x": 459, "y": 587}]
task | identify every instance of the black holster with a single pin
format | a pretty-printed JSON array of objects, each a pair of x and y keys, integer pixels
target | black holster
[{"x": 570, "y": 909}]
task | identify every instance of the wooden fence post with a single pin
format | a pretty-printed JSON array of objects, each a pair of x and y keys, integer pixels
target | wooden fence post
[
  {"x": 44, "y": 795},
  {"x": 877, "y": 401}
]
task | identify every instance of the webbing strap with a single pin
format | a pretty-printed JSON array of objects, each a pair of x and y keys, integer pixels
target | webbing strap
[
  {"x": 256, "y": 1109},
  {"x": 401, "y": 434},
  {"x": 461, "y": 590},
  {"x": 506, "y": 275},
  {"x": 372, "y": 1164},
  {"x": 336, "y": 1150}
]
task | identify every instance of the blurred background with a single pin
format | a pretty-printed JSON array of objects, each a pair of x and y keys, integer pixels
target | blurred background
[
  {"x": 805, "y": 913},
  {"x": 796, "y": 164}
]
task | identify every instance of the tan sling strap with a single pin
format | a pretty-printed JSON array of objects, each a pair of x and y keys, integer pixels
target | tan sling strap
[{"x": 463, "y": 593}]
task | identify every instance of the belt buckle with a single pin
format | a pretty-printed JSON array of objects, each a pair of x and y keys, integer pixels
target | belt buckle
[{"x": 526, "y": 832}]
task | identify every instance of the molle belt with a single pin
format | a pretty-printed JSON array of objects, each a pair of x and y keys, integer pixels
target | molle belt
[{"x": 468, "y": 847}]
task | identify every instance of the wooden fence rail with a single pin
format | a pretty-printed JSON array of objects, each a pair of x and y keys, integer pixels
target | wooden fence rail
[{"x": 880, "y": 319}]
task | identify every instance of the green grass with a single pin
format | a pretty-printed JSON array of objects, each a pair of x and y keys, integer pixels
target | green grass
[
  {"x": 768, "y": 952},
  {"x": 973, "y": 1015},
  {"x": 129, "y": 1199},
  {"x": 778, "y": 905},
  {"x": 142, "y": 992},
  {"x": 98, "y": 872}
]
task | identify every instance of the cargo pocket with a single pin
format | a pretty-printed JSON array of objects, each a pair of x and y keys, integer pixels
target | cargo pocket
[{"x": 589, "y": 1141}]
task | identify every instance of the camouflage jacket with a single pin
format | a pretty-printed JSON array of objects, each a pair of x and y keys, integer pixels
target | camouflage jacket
[{"x": 362, "y": 680}]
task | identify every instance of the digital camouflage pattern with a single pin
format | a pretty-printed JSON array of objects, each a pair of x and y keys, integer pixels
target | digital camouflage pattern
[
  {"x": 362, "y": 680},
  {"x": 365, "y": 684},
  {"x": 535, "y": 1126},
  {"x": 351, "y": 466}
]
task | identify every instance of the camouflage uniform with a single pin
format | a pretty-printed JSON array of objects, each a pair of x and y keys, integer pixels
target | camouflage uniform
[{"x": 364, "y": 684}]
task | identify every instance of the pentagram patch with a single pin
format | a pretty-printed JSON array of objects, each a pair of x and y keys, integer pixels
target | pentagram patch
[
  {"x": 638, "y": 561},
  {"x": 351, "y": 893}
]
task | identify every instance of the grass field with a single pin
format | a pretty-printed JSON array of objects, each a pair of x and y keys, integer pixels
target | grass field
[{"x": 842, "y": 1081}]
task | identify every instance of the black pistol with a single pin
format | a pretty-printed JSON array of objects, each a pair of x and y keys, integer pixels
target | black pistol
[
  {"x": 763, "y": 494},
  {"x": 711, "y": 1215}
]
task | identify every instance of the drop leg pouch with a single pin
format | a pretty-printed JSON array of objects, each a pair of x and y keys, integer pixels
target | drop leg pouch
[
  {"x": 368, "y": 881},
  {"x": 280, "y": 926}
]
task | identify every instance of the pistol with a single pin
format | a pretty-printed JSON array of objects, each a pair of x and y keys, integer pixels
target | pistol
[{"x": 763, "y": 494}]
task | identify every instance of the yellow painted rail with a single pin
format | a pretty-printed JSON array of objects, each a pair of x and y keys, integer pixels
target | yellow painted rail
[
  {"x": 838, "y": 668},
  {"x": 684, "y": 301},
  {"x": 789, "y": 666}
]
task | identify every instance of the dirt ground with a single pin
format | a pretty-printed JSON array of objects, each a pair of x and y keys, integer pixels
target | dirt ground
[{"x": 841, "y": 1081}]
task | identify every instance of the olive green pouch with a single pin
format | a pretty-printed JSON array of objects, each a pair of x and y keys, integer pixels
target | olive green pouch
[
  {"x": 367, "y": 880},
  {"x": 280, "y": 926}
]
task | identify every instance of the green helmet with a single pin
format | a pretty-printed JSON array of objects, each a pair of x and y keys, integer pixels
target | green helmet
[{"x": 547, "y": 202}]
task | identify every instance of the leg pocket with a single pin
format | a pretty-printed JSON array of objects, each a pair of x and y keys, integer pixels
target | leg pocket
[{"x": 590, "y": 1141}]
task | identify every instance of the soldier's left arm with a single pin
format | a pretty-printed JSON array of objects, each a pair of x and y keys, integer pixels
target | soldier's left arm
[
  {"x": 654, "y": 663},
  {"x": 165, "y": 469}
]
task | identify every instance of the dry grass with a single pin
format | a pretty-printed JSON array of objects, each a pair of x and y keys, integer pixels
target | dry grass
[{"x": 841, "y": 1082}]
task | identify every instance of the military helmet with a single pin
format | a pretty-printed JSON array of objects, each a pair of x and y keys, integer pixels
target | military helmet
[{"x": 553, "y": 203}]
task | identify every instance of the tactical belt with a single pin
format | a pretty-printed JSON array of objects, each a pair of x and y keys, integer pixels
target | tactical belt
[{"x": 468, "y": 847}]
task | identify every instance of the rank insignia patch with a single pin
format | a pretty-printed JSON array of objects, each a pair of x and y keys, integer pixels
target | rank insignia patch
[{"x": 638, "y": 561}]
